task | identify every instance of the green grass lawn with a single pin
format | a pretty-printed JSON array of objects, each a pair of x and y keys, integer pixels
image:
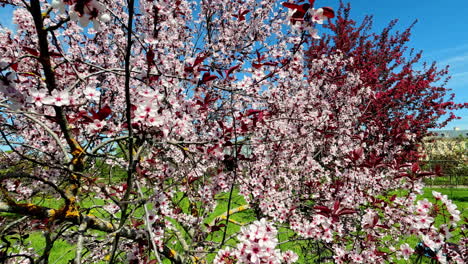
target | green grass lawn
[{"x": 63, "y": 252}]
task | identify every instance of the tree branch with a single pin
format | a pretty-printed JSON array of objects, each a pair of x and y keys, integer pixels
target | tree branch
[{"x": 128, "y": 116}]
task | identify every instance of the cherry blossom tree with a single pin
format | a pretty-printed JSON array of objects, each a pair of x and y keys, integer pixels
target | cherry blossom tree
[{"x": 198, "y": 132}]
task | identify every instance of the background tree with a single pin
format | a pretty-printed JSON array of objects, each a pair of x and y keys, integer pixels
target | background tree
[
  {"x": 141, "y": 139},
  {"x": 409, "y": 96}
]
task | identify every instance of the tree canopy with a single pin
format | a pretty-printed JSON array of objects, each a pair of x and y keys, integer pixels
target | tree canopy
[{"x": 213, "y": 131}]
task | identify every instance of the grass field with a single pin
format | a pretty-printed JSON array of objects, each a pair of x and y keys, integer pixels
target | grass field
[{"x": 63, "y": 252}]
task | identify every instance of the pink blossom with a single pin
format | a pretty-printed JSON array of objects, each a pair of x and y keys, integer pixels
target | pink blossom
[
  {"x": 406, "y": 251},
  {"x": 37, "y": 96},
  {"x": 313, "y": 32},
  {"x": 441, "y": 258},
  {"x": 92, "y": 11},
  {"x": 452, "y": 209},
  {"x": 423, "y": 221},
  {"x": 257, "y": 244},
  {"x": 317, "y": 15},
  {"x": 437, "y": 195},
  {"x": 97, "y": 125},
  {"x": 433, "y": 243},
  {"x": 423, "y": 206},
  {"x": 91, "y": 94},
  {"x": 57, "y": 98},
  {"x": 290, "y": 257},
  {"x": 357, "y": 258},
  {"x": 224, "y": 256}
]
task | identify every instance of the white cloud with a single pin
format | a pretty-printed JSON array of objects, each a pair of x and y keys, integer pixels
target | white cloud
[
  {"x": 459, "y": 83},
  {"x": 440, "y": 52},
  {"x": 458, "y": 60},
  {"x": 460, "y": 74}
]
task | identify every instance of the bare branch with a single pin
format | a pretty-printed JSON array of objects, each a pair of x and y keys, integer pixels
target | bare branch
[{"x": 148, "y": 226}]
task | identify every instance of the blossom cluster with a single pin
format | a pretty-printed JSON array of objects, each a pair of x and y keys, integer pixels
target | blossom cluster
[
  {"x": 303, "y": 17},
  {"x": 435, "y": 238},
  {"x": 257, "y": 244},
  {"x": 84, "y": 11}
]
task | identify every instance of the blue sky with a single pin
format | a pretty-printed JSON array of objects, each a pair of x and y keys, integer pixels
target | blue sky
[{"x": 441, "y": 32}]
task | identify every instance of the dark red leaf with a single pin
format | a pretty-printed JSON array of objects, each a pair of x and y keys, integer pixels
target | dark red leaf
[
  {"x": 31, "y": 51},
  {"x": 211, "y": 149},
  {"x": 257, "y": 65},
  {"x": 328, "y": 12},
  {"x": 82, "y": 117},
  {"x": 14, "y": 66},
  {"x": 208, "y": 77},
  {"x": 150, "y": 57},
  {"x": 259, "y": 57},
  {"x": 241, "y": 15},
  {"x": 383, "y": 226},
  {"x": 375, "y": 220},
  {"x": 270, "y": 63},
  {"x": 215, "y": 228},
  {"x": 221, "y": 124},
  {"x": 438, "y": 170},
  {"x": 233, "y": 68},
  {"x": 55, "y": 54},
  {"x": 301, "y": 8},
  {"x": 188, "y": 69},
  {"x": 253, "y": 112},
  {"x": 192, "y": 179},
  {"x": 154, "y": 78},
  {"x": 324, "y": 209},
  {"x": 425, "y": 174},
  {"x": 415, "y": 167},
  {"x": 136, "y": 223},
  {"x": 336, "y": 206},
  {"x": 104, "y": 112},
  {"x": 379, "y": 253},
  {"x": 357, "y": 154},
  {"x": 402, "y": 175},
  {"x": 346, "y": 211},
  {"x": 199, "y": 59}
]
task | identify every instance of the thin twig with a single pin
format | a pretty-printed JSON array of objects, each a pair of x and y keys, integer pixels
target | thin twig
[
  {"x": 148, "y": 226},
  {"x": 79, "y": 244}
]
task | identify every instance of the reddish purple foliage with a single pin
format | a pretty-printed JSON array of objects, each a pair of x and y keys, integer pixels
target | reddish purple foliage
[{"x": 407, "y": 100}]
